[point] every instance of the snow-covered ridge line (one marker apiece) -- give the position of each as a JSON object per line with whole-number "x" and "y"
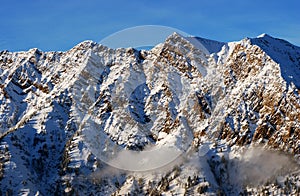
{"x": 64, "y": 116}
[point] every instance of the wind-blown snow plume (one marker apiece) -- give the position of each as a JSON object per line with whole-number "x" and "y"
{"x": 258, "y": 165}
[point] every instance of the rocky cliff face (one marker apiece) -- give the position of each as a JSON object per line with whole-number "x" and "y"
{"x": 203, "y": 119}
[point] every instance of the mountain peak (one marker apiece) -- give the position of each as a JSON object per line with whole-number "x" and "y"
{"x": 86, "y": 44}
{"x": 174, "y": 37}
{"x": 176, "y": 34}
{"x": 283, "y": 53}
{"x": 264, "y": 35}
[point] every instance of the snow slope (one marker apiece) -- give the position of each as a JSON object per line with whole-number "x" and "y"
{"x": 283, "y": 53}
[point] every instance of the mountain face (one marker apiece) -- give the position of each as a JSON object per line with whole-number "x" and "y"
{"x": 190, "y": 116}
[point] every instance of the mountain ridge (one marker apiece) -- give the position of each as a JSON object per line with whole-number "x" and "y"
{"x": 64, "y": 113}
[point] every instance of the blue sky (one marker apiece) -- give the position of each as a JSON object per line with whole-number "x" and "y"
{"x": 59, "y": 25}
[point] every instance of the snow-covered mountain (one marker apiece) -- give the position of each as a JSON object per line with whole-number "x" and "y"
{"x": 190, "y": 116}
